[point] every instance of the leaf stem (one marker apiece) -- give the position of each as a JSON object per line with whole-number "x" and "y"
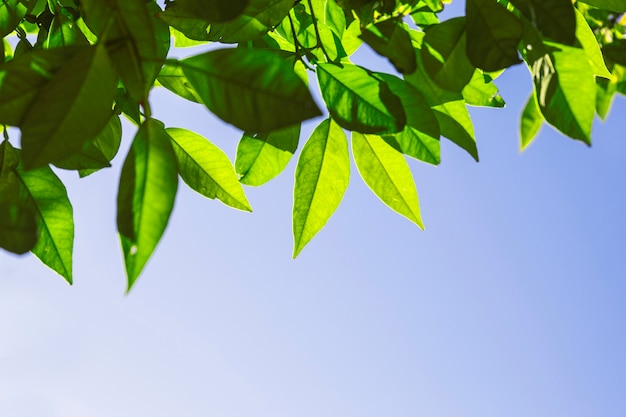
{"x": 317, "y": 33}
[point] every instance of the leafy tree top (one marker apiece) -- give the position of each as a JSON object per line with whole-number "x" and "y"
{"x": 77, "y": 66}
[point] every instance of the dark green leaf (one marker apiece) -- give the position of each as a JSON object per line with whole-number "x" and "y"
{"x": 261, "y": 157}
{"x": 444, "y": 55}
{"x": 145, "y": 200}
{"x": 207, "y": 169}
{"x": 612, "y": 5}
{"x": 173, "y": 78}
{"x": 555, "y": 19}
{"x": 213, "y": 11}
{"x": 493, "y": 34}
{"x": 98, "y": 153}
{"x": 358, "y": 101}
{"x": 70, "y": 109}
{"x": 11, "y": 13}
{"x": 322, "y": 177}
{"x": 387, "y": 174}
{"x": 390, "y": 39}
{"x": 254, "y": 90}
{"x": 420, "y": 136}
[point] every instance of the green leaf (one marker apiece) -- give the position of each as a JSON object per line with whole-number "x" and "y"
{"x": 322, "y": 177}
{"x": 18, "y": 223}
{"x": 493, "y": 34}
{"x": 555, "y": 19}
{"x": 11, "y": 13}
{"x": 206, "y": 168}
{"x": 98, "y": 153}
{"x": 565, "y": 87}
{"x": 481, "y": 91}
{"x": 214, "y": 11}
{"x": 138, "y": 42}
{"x": 192, "y": 27}
{"x": 616, "y": 51}
{"x": 22, "y": 78}
{"x": 173, "y": 78}
{"x": 63, "y": 31}
{"x": 588, "y": 41}
{"x": 70, "y": 109}
{"x": 531, "y": 122}
{"x": 47, "y": 197}
{"x": 390, "y": 39}
{"x": 387, "y": 174}
{"x": 444, "y": 56}
{"x": 612, "y": 5}
{"x": 261, "y": 157}
{"x": 254, "y": 90}
{"x": 420, "y": 136}
{"x": 145, "y": 200}
{"x": 259, "y": 17}
{"x": 358, "y": 101}
{"x": 449, "y": 108}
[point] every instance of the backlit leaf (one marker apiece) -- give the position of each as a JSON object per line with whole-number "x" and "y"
{"x": 146, "y": 195}
{"x": 322, "y": 176}
{"x": 254, "y": 90}
{"x": 612, "y": 5}
{"x": 387, "y": 174}
{"x": 206, "y": 169}
{"x": 358, "y": 101}
{"x": 531, "y": 122}
{"x": 588, "y": 41}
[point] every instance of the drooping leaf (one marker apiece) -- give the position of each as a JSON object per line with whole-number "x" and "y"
{"x": 322, "y": 177}
{"x": 72, "y": 108}
{"x": 206, "y": 168}
{"x": 493, "y": 34}
{"x": 98, "y": 153}
{"x": 146, "y": 195}
{"x": 588, "y": 41}
{"x": 387, "y": 174}
{"x": 444, "y": 55}
{"x": 531, "y": 122}
{"x": 555, "y": 19}
{"x": 254, "y": 90}
{"x": 565, "y": 87}
{"x": 261, "y": 157}
{"x": 358, "y": 101}
{"x": 390, "y": 39}
{"x": 46, "y": 196}
{"x": 420, "y": 137}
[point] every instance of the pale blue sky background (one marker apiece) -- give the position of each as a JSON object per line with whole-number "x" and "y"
{"x": 511, "y": 303}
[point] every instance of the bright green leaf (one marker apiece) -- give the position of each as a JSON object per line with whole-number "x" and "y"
{"x": 261, "y": 157}
{"x": 146, "y": 195}
{"x": 173, "y": 78}
{"x": 588, "y": 41}
{"x": 387, "y": 174}
{"x": 481, "y": 91}
{"x": 322, "y": 177}
{"x": 612, "y": 5}
{"x": 206, "y": 168}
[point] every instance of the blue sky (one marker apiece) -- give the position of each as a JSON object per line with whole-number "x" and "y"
{"x": 512, "y": 302}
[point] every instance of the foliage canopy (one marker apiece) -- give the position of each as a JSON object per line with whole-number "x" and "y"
{"x": 74, "y": 67}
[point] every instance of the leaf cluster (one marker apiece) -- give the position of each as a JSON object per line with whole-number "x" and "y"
{"x": 72, "y": 68}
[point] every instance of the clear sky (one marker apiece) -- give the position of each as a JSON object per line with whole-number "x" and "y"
{"x": 511, "y": 303}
